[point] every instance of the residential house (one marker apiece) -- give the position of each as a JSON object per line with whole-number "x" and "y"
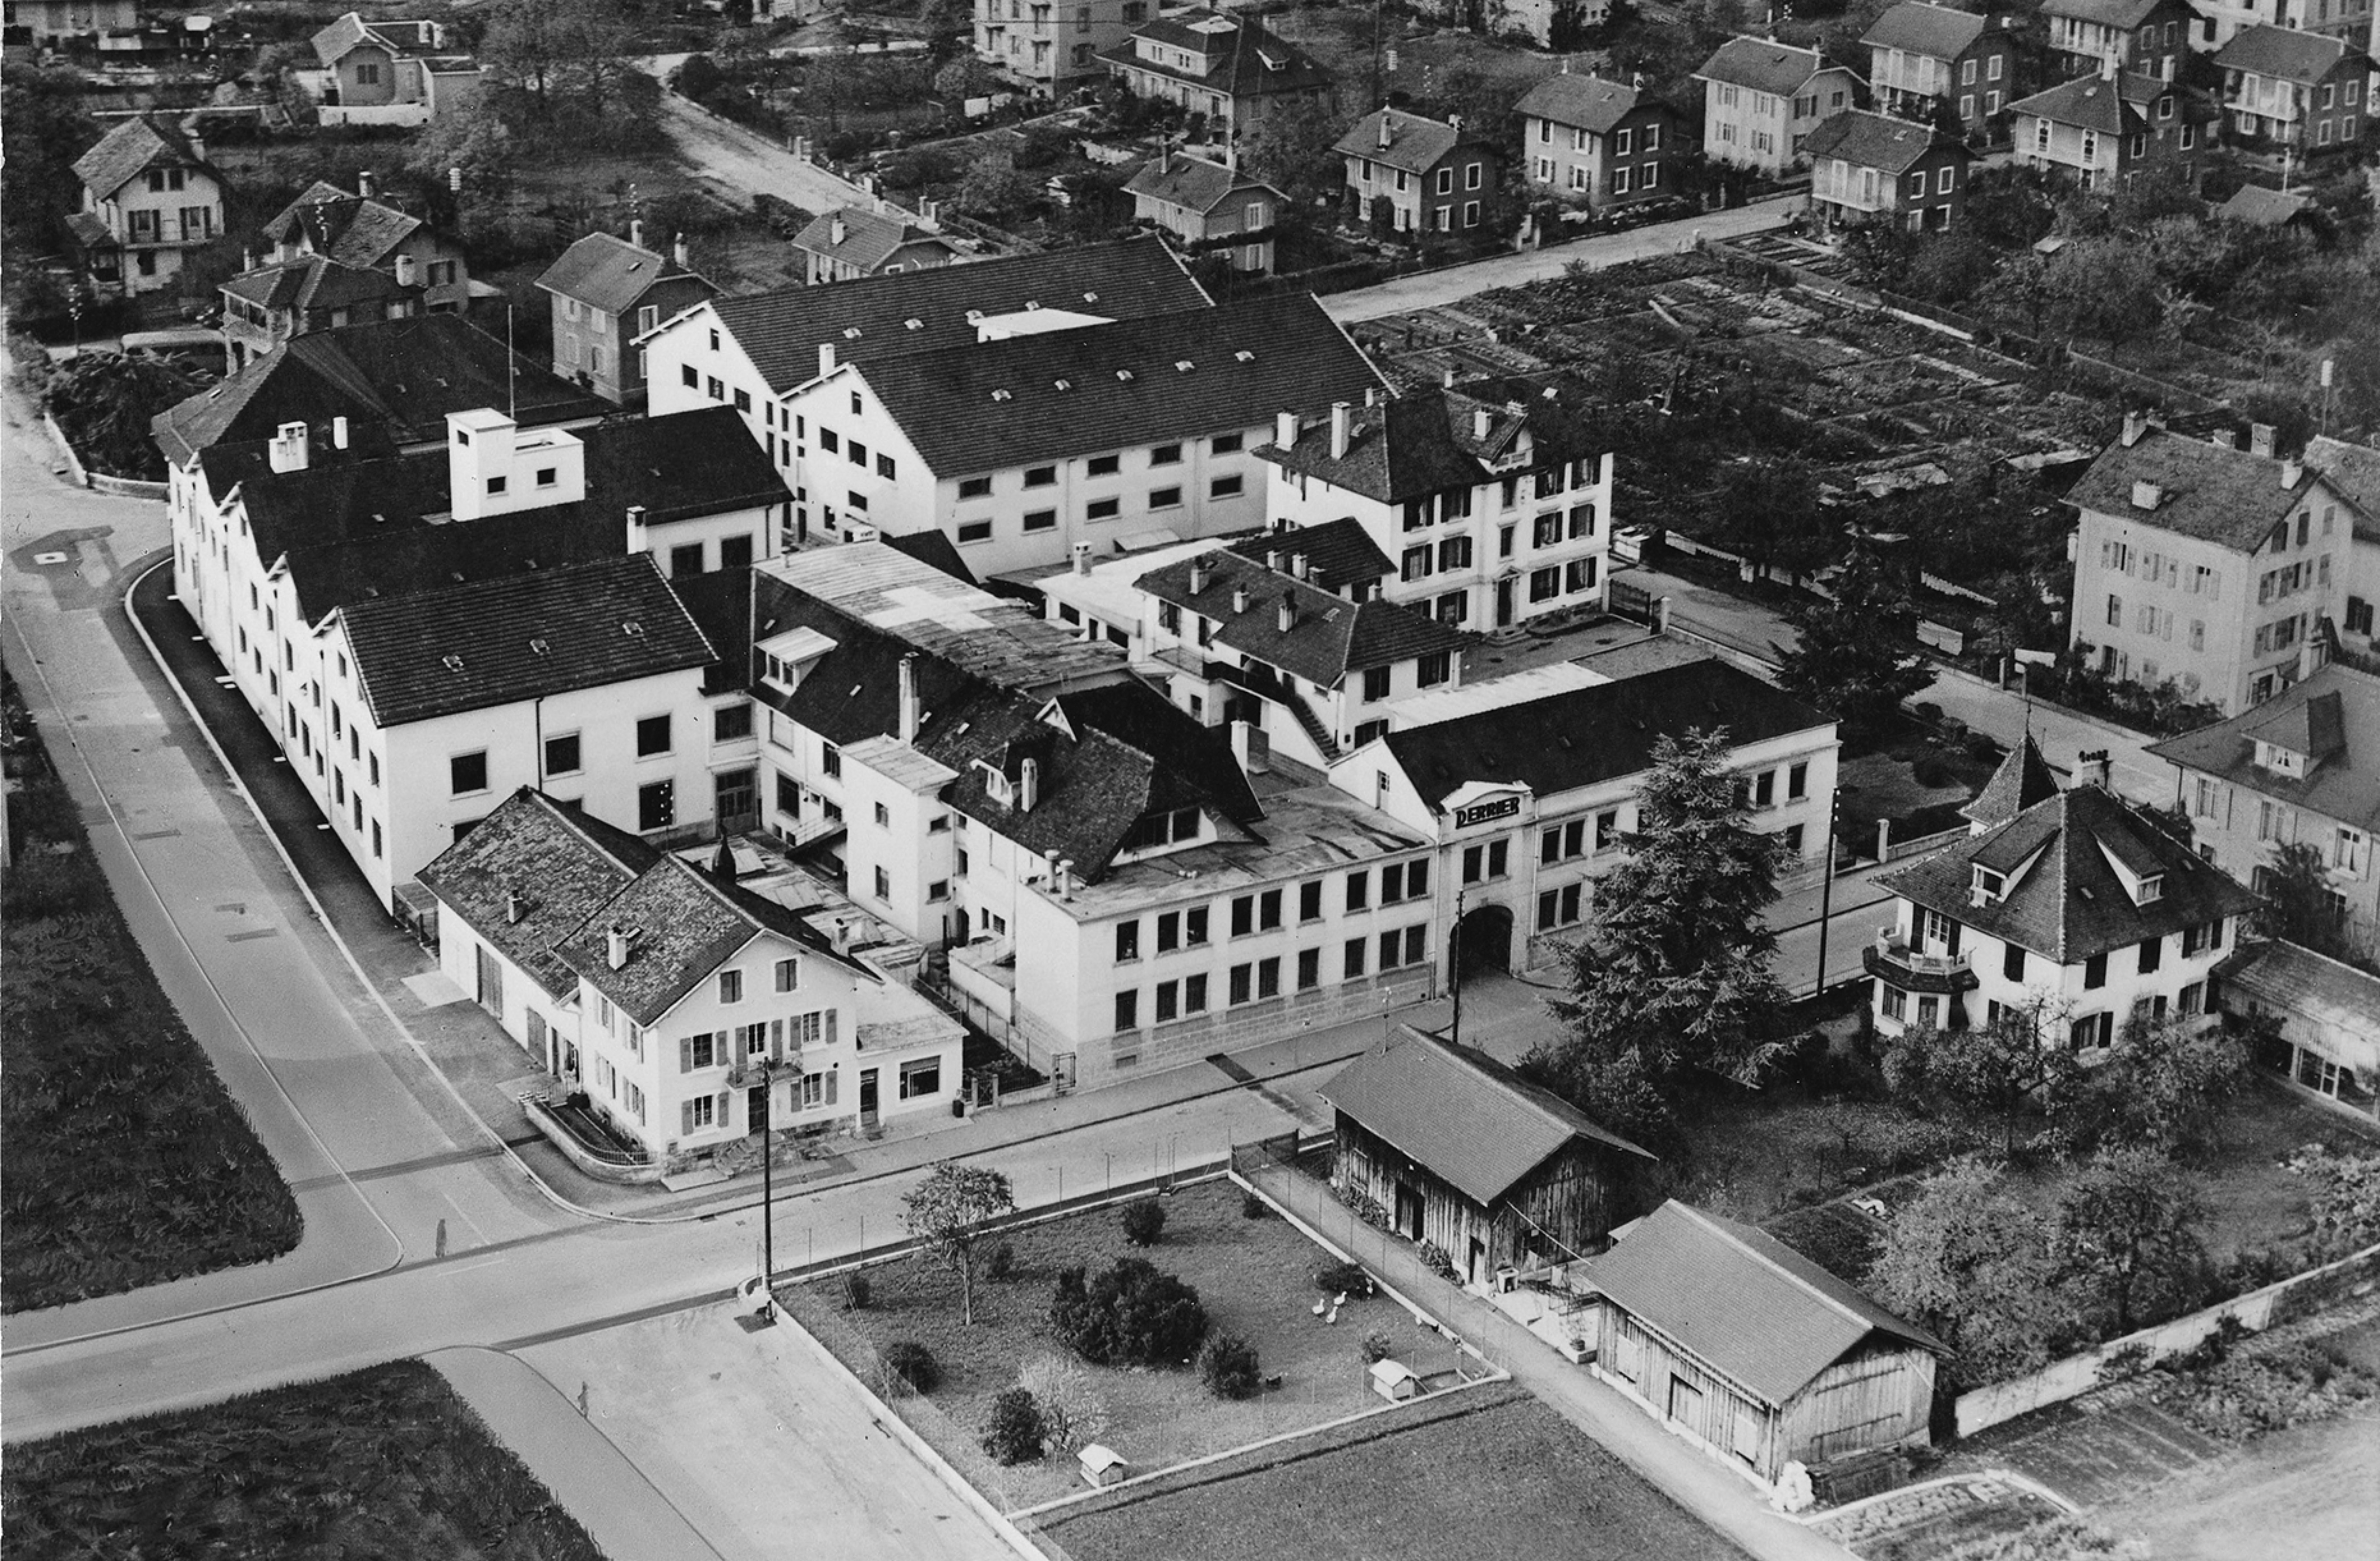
{"x": 2142, "y": 37}
{"x": 1922, "y": 55}
{"x": 1600, "y": 142}
{"x": 1752, "y": 1352}
{"x": 2353, "y": 471}
{"x": 1494, "y": 496}
{"x": 271, "y": 304}
{"x": 1406, "y": 174}
{"x": 1457, "y": 1151}
{"x": 2350, "y": 21}
{"x": 755, "y": 351}
{"x": 2105, "y": 130}
{"x": 150, "y": 200}
{"x": 2298, "y": 91}
{"x": 1761, "y": 100}
{"x": 1057, "y": 428}
{"x": 606, "y": 292}
{"x": 2322, "y": 1044}
{"x": 2076, "y": 913}
{"x": 1868, "y": 167}
{"x": 50, "y": 23}
{"x": 2288, "y": 773}
{"x": 853, "y": 241}
{"x": 1210, "y": 207}
{"x": 357, "y": 228}
{"x": 2212, "y": 567}
{"x": 391, "y": 72}
{"x": 1527, "y": 804}
{"x": 1228, "y": 67}
{"x": 1051, "y": 50}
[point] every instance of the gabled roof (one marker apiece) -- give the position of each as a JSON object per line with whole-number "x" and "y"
{"x": 2231, "y": 498}
{"x": 2122, "y": 14}
{"x": 2071, "y": 905}
{"x": 851, "y": 691}
{"x": 132, "y": 148}
{"x": 1588, "y": 736}
{"x": 315, "y": 283}
{"x": 348, "y": 228}
{"x": 1918, "y": 28}
{"x": 1430, "y": 441}
{"x": 2296, "y": 980}
{"x": 1329, "y": 636}
{"x": 1415, "y": 143}
{"x": 611, "y": 274}
{"x": 1186, "y": 748}
{"x": 1867, "y": 139}
{"x": 1459, "y": 1115}
{"x": 1764, "y": 64}
{"x": 1181, "y": 179}
{"x": 2344, "y": 786}
{"x": 2092, "y": 102}
{"x": 526, "y": 875}
{"x": 1587, "y": 102}
{"x": 2354, "y": 471}
{"x": 2283, "y": 54}
{"x": 870, "y": 318}
{"x": 869, "y": 240}
{"x": 1248, "y": 60}
{"x": 1340, "y": 556}
{"x": 334, "y": 42}
{"x": 2024, "y": 778}
{"x": 493, "y": 642}
{"x": 1743, "y": 1301}
{"x": 1043, "y": 397}
{"x": 2263, "y": 208}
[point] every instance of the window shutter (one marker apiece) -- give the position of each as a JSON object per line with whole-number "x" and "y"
{"x": 721, "y": 1120}
{"x": 685, "y": 1119}
{"x": 1950, "y": 939}
{"x": 685, "y": 1053}
{"x": 832, "y": 1075}
{"x": 776, "y": 1040}
{"x": 830, "y": 1026}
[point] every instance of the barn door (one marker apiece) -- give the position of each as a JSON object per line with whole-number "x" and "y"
{"x": 1408, "y": 1212}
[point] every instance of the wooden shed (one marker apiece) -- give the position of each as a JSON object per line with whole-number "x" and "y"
{"x": 1460, "y": 1153}
{"x": 1726, "y": 1333}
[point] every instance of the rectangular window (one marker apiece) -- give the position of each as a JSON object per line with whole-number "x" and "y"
{"x": 2094, "y": 972}
{"x": 1127, "y": 1011}
{"x": 1164, "y": 498}
{"x": 1268, "y": 911}
{"x": 1359, "y": 888}
{"x": 1103, "y": 466}
{"x": 922, "y": 1078}
{"x": 1240, "y": 983}
{"x": 1309, "y": 901}
{"x": 1041, "y": 476}
{"x": 1103, "y": 509}
{"x": 1226, "y": 487}
{"x": 1165, "y": 454}
{"x": 1127, "y": 941}
{"x": 469, "y": 772}
{"x": 1194, "y": 927}
{"x": 1169, "y": 1001}
{"x": 1269, "y": 978}
{"x": 1041, "y": 520}
{"x": 975, "y": 530}
{"x": 789, "y": 975}
{"x": 974, "y": 487}
{"x": 652, "y": 736}
{"x": 1244, "y": 916}
{"x": 1193, "y": 994}
{"x": 731, "y": 986}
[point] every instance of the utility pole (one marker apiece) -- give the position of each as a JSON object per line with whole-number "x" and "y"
{"x": 1380, "y": 95}
{"x": 1454, "y": 964}
{"x": 1827, "y": 887}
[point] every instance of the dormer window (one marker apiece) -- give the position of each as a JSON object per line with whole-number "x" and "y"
{"x": 2152, "y": 889}
{"x": 2280, "y": 761}
{"x": 996, "y": 785}
{"x": 1990, "y": 885}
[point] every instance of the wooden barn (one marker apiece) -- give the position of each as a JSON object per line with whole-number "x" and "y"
{"x": 1730, "y": 1336}
{"x": 1460, "y": 1153}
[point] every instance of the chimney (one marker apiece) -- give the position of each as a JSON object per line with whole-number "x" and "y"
{"x": 834, "y": 231}
{"x": 909, "y": 714}
{"x": 247, "y": 259}
{"x": 1384, "y": 129}
{"x": 2093, "y": 768}
{"x": 616, "y": 942}
{"x": 407, "y": 271}
{"x": 1082, "y": 558}
{"x": 455, "y": 181}
{"x": 1447, "y": 380}
{"x": 636, "y": 232}
{"x": 2226, "y": 438}
{"x": 1479, "y": 424}
{"x": 1198, "y": 576}
{"x": 1285, "y": 430}
{"x": 1067, "y": 878}
{"x": 2147, "y": 495}
{"x": 1239, "y": 599}
{"x": 1371, "y": 395}
{"x": 678, "y": 251}
{"x": 287, "y": 451}
{"x": 1288, "y": 616}
{"x": 1028, "y": 785}
{"x": 1374, "y": 593}
{"x": 339, "y": 432}
{"x": 1272, "y": 559}
{"x": 2260, "y": 439}
{"x": 1165, "y": 158}
{"x": 1340, "y": 430}
{"x": 364, "y": 184}
{"x": 826, "y": 359}
{"x": 2135, "y": 424}
{"x": 2293, "y": 470}
{"x": 1249, "y": 747}
{"x": 515, "y": 907}
{"x": 1297, "y": 565}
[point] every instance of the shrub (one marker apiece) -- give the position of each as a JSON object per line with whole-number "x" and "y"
{"x": 912, "y": 1363}
{"x": 1932, "y": 772}
{"x": 1074, "y": 1414}
{"x": 1229, "y": 1367}
{"x": 1433, "y": 1257}
{"x": 1144, "y": 1222}
{"x": 1343, "y": 1279}
{"x": 1000, "y": 1263}
{"x": 1253, "y": 1207}
{"x": 1376, "y": 1348}
{"x": 1015, "y": 1432}
{"x": 856, "y": 1291}
{"x": 1132, "y": 1314}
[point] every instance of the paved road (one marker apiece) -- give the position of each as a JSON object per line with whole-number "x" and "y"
{"x": 749, "y": 163}
{"x": 1430, "y": 289}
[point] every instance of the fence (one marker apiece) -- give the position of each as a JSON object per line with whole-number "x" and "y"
{"x": 2257, "y": 1310}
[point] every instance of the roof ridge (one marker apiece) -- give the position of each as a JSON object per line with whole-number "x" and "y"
{"x": 1725, "y": 1230}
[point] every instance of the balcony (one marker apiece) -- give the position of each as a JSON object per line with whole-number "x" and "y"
{"x": 1891, "y": 959}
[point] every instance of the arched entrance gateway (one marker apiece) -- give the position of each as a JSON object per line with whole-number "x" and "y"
{"x": 1483, "y": 941}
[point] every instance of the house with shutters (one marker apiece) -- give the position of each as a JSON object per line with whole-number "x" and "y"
{"x": 2105, "y": 130}
{"x": 2100, "y": 37}
{"x": 2076, "y": 911}
{"x": 1761, "y": 100}
{"x": 391, "y": 72}
{"x": 1922, "y": 56}
{"x": 1225, "y": 65}
{"x": 1596, "y": 142}
{"x": 2299, "y": 91}
{"x": 2353, "y": 472}
{"x": 1210, "y": 207}
{"x": 1407, "y": 174}
{"x": 2350, "y": 21}
{"x": 854, "y": 241}
{"x": 150, "y": 200}
{"x": 357, "y": 228}
{"x": 1052, "y": 49}
{"x": 1868, "y": 168}
{"x": 606, "y": 292}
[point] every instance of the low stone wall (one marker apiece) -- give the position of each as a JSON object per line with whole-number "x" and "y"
{"x": 2283, "y": 1302}
{"x": 75, "y": 472}
{"x": 581, "y": 1157}
{"x": 126, "y": 487}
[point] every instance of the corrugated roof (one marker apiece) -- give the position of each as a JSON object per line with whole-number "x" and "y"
{"x": 611, "y": 274}
{"x": 2344, "y": 786}
{"x": 1044, "y": 396}
{"x": 1917, "y": 28}
{"x": 2283, "y": 54}
{"x": 2230, "y": 498}
{"x": 133, "y": 147}
{"x": 1459, "y": 1115}
{"x": 1763, "y": 65}
{"x": 1588, "y": 103}
{"x": 1328, "y": 637}
{"x": 1415, "y": 143}
{"x": 550, "y": 864}
{"x": 869, "y": 240}
{"x": 1739, "y": 1299}
{"x": 1867, "y": 139}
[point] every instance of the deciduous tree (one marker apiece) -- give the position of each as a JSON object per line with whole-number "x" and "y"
{"x": 1990, "y": 1072}
{"x": 1970, "y": 1263}
{"x": 2128, "y": 1238}
{"x": 2164, "y": 1085}
{"x": 947, "y": 1213}
{"x": 1857, "y": 656}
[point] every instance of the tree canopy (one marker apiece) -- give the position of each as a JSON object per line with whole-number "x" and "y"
{"x": 1969, "y": 1262}
{"x": 1857, "y": 656}
{"x": 947, "y": 1213}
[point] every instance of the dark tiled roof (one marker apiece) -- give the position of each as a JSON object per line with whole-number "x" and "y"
{"x": 1763, "y": 65}
{"x": 983, "y": 408}
{"x": 333, "y": 42}
{"x": 2345, "y": 785}
{"x": 719, "y": 602}
{"x": 1249, "y": 62}
{"x": 1329, "y": 637}
{"x": 1415, "y": 144}
{"x": 1459, "y": 1115}
{"x": 2124, "y": 16}
{"x": 1339, "y": 554}
{"x": 2092, "y": 102}
{"x": 1198, "y": 755}
{"x": 1917, "y": 28}
{"x": 2354, "y": 471}
{"x": 935, "y": 550}
{"x": 854, "y": 690}
{"x": 2022, "y": 779}
{"x": 1865, "y": 139}
{"x": 2282, "y": 53}
{"x": 1589, "y": 735}
{"x": 133, "y": 147}
{"x": 687, "y": 924}
{"x": 1429, "y": 442}
{"x": 405, "y": 373}
{"x": 497, "y": 642}
{"x": 2070, "y": 905}
{"x": 246, "y": 460}
{"x": 1589, "y": 102}
{"x": 781, "y": 332}
{"x": 2264, "y": 208}
{"x": 314, "y": 282}
{"x": 348, "y": 228}
{"x": 2295, "y": 980}
{"x": 1742, "y": 1300}
{"x": 1181, "y": 179}
{"x": 609, "y": 274}
{"x": 2230, "y": 498}
{"x": 558, "y": 862}
{"x": 869, "y": 240}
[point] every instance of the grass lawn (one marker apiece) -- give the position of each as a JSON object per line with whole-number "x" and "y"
{"x": 385, "y": 1462}
{"x": 123, "y": 1160}
{"x": 1501, "y": 1475}
{"x": 1254, "y": 1277}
